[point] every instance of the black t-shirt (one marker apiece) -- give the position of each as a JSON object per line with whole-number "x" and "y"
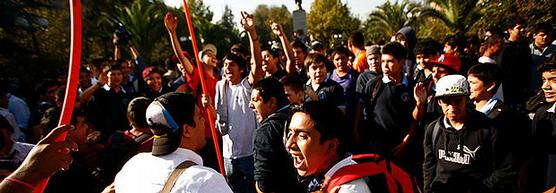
{"x": 388, "y": 120}
{"x": 328, "y": 91}
{"x": 279, "y": 74}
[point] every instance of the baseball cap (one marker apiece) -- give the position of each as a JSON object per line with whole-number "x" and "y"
{"x": 448, "y": 60}
{"x": 452, "y": 85}
{"x": 162, "y": 116}
{"x": 207, "y": 47}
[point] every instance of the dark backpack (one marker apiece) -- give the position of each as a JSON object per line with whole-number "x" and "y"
{"x": 381, "y": 175}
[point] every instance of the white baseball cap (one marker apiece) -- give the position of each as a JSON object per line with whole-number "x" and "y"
{"x": 452, "y": 85}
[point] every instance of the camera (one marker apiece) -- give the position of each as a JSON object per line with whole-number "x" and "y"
{"x": 123, "y": 35}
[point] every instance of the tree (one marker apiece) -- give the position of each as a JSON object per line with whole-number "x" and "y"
{"x": 227, "y": 19}
{"x": 144, "y": 21}
{"x": 388, "y": 18}
{"x": 329, "y": 17}
{"x": 263, "y": 15}
{"x": 457, "y": 15}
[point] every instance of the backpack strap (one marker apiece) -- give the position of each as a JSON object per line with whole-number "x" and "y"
{"x": 175, "y": 175}
{"x": 376, "y": 89}
{"x": 143, "y": 138}
{"x": 434, "y": 135}
{"x": 357, "y": 171}
{"x": 402, "y": 177}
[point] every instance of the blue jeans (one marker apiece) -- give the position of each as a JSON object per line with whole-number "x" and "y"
{"x": 240, "y": 174}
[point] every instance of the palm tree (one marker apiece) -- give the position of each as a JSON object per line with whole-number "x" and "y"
{"x": 388, "y": 18}
{"x": 457, "y": 15}
{"x": 144, "y": 21}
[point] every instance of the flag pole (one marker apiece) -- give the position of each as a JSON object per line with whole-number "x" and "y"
{"x": 203, "y": 86}
{"x": 73, "y": 75}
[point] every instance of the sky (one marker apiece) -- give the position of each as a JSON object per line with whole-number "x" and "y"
{"x": 359, "y": 8}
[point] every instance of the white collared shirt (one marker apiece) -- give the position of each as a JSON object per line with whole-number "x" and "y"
{"x": 147, "y": 173}
{"x": 489, "y": 105}
{"x": 552, "y": 109}
{"x": 387, "y": 80}
{"x": 107, "y": 88}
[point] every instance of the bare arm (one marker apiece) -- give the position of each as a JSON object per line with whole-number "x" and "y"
{"x": 171, "y": 23}
{"x": 279, "y": 31}
{"x": 249, "y": 24}
{"x": 133, "y": 50}
{"x": 117, "y": 50}
{"x": 88, "y": 93}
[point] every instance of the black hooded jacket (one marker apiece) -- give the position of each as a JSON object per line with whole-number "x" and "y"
{"x": 470, "y": 159}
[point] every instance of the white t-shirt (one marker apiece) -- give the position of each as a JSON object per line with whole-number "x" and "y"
{"x": 147, "y": 173}
{"x": 242, "y": 122}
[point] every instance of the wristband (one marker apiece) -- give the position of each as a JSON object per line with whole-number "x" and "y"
{"x": 20, "y": 183}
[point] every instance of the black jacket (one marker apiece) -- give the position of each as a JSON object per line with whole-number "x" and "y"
{"x": 274, "y": 171}
{"x": 480, "y": 164}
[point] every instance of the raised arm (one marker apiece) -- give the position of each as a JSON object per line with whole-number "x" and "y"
{"x": 249, "y": 25}
{"x": 171, "y": 23}
{"x": 279, "y": 31}
{"x": 88, "y": 93}
{"x": 117, "y": 50}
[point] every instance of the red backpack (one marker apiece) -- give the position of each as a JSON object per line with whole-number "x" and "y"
{"x": 381, "y": 175}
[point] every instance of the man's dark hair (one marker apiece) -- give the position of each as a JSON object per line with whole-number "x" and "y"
{"x": 292, "y": 81}
{"x": 237, "y": 59}
{"x": 488, "y": 73}
{"x": 4, "y": 124}
{"x": 427, "y": 47}
{"x": 119, "y": 62}
{"x": 395, "y": 49}
{"x": 545, "y": 28}
{"x": 42, "y": 87}
{"x": 84, "y": 70}
{"x": 314, "y": 58}
{"x": 492, "y": 40}
{"x": 340, "y": 50}
{"x": 514, "y": 22}
{"x": 327, "y": 119}
{"x": 270, "y": 87}
{"x": 357, "y": 39}
{"x": 549, "y": 65}
{"x": 272, "y": 52}
{"x": 112, "y": 68}
{"x": 136, "y": 111}
{"x": 240, "y": 50}
{"x": 97, "y": 62}
{"x": 299, "y": 44}
{"x": 77, "y": 113}
{"x": 457, "y": 40}
{"x": 181, "y": 106}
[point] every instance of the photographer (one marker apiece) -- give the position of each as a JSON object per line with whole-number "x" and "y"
{"x": 131, "y": 68}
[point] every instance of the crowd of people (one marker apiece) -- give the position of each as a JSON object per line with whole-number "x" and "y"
{"x": 464, "y": 114}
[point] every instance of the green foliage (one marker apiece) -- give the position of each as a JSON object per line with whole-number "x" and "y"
{"x": 145, "y": 21}
{"x": 227, "y": 19}
{"x": 263, "y": 15}
{"x": 329, "y": 17}
{"x": 457, "y": 15}
{"x": 388, "y": 18}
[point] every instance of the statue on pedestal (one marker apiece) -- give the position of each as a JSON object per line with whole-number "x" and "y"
{"x": 298, "y": 3}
